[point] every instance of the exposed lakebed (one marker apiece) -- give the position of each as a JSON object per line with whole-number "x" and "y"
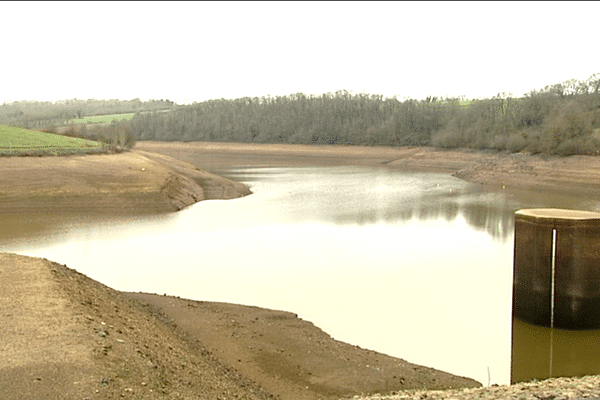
{"x": 416, "y": 265}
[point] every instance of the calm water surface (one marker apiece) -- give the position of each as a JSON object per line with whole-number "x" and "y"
{"x": 415, "y": 265}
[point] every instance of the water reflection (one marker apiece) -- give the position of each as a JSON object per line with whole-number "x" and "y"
{"x": 542, "y": 353}
{"x": 38, "y": 230}
{"x": 493, "y": 219}
{"x": 487, "y": 216}
{"x": 340, "y": 195}
{"x": 370, "y": 195}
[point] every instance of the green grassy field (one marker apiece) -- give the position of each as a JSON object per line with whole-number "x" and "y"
{"x": 19, "y": 141}
{"x": 102, "y": 119}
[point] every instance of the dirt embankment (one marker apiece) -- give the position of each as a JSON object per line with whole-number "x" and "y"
{"x": 66, "y": 336}
{"x": 291, "y": 357}
{"x": 132, "y": 182}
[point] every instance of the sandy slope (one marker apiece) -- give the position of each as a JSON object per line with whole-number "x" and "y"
{"x": 291, "y": 357}
{"x": 126, "y": 183}
{"x": 65, "y": 336}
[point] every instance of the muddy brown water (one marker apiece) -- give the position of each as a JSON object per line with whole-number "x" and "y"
{"x": 412, "y": 264}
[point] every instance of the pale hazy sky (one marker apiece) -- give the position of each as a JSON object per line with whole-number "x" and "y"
{"x": 194, "y": 51}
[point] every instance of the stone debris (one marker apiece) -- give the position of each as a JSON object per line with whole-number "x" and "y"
{"x": 587, "y": 388}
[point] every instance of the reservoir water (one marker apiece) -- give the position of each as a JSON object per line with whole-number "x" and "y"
{"x": 412, "y": 264}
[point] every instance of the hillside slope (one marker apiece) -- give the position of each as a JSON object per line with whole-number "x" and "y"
{"x": 20, "y": 141}
{"x": 67, "y": 336}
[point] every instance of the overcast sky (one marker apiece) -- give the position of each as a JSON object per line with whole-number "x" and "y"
{"x": 195, "y": 51}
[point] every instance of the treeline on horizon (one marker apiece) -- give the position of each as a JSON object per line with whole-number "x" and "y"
{"x": 562, "y": 118}
{"x": 55, "y": 117}
{"x": 33, "y": 114}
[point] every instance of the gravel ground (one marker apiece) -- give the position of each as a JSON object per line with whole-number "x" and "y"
{"x": 551, "y": 389}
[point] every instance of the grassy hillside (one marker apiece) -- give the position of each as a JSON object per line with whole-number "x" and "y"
{"x": 104, "y": 119}
{"x": 20, "y": 141}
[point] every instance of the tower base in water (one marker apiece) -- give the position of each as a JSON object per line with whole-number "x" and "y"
{"x": 556, "y": 281}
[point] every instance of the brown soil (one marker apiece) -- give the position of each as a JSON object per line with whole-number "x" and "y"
{"x": 132, "y": 182}
{"x": 291, "y": 357}
{"x": 65, "y": 336}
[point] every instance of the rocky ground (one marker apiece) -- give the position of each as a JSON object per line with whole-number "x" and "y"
{"x": 551, "y": 389}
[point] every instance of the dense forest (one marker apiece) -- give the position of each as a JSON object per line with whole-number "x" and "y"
{"x": 562, "y": 118}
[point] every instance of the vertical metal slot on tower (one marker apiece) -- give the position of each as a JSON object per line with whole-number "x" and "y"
{"x": 553, "y": 278}
{"x": 552, "y": 297}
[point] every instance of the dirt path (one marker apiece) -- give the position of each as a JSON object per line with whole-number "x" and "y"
{"x": 43, "y": 349}
{"x": 65, "y": 336}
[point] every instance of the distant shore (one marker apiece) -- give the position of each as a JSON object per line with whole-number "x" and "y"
{"x": 572, "y": 175}
{"x": 160, "y": 177}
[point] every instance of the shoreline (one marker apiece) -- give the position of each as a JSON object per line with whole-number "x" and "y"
{"x": 162, "y": 177}
{"x": 128, "y": 183}
{"x": 572, "y": 175}
{"x": 68, "y": 336}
